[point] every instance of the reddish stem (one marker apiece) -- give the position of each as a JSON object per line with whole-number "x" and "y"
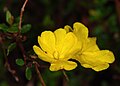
{"x": 21, "y": 15}
{"x": 39, "y": 74}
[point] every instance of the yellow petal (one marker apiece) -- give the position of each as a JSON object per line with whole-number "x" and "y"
{"x": 68, "y": 44}
{"x": 42, "y": 55}
{"x": 98, "y": 67}
{"x": 67, "y": 65}
{"x": 80, "y": 31}
{"x": 47, "y": 41}
{"x": 68, "y": 28}
{"x": 90, "y": 45}
{"x": 60, "y": 36}
{"x": 96, "y": 60}
{"x": 101, "y": 67}
{"x": 105, "y": 56}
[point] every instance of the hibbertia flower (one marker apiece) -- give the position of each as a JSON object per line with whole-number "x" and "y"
{"x": 57, "y": 48}
{"x": 90, "y": 56}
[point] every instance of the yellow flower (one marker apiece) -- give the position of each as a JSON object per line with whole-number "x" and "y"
{"x": 57, "y": 48}
{"x": 90, "y": 56}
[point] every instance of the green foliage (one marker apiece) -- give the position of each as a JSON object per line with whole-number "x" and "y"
{"x": 13, "y": 28}
{"x": 100, "y": 2}
{"x": 26, "y": 28}
{"x": 10, "y": 48}
{"x": 28, "y": 73}
{"x": 3, "y": 27}
{"x": 53, "y": 76}
{"x": 112, "y": 21}
{"x": 48, "y": 21}
{"x": 20, "y": 62}
{"x": 4, "y": 83}
{"x": 9, "y": 18}
{"x": 98, "y": 30}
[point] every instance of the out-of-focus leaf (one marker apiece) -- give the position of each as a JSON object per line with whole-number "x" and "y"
{"x": 20, "y": 62}
{"x": 102, "y": 41}
{"x": 98, "y": 30}
{"x": 70, "y": 6}
{"x": 48, "y": 21}
{"x": 13, "y": 28}
{"x": 4, "y": 83}
{"x": 46, "y": 2}
{"x": 52, "y": 76}
{"x": 28, "y": 73}
{"x": 95, "y": 15}
{"x": 112, "y": 21}
{"x": 25, "y": 28}
{"x": 10, "y": 48}
{"x": 17, "y": 19}
{"x": 9, "y": 18}
{"x": 3, "y": 27}
{"x": 101, "y": 2}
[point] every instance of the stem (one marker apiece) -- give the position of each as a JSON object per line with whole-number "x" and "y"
{"x": 7, "y": 65}
{"x": 22, "y": 50}
{"x": 3, "y": 48}
{"x": 18, "y": 40}
{"x": 65, "y": 75}
{"x": 39, "y": 74}
{"x": 21, "y": 15}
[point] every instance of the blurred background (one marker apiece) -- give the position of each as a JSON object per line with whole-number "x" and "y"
{"x": 102, "y": 17}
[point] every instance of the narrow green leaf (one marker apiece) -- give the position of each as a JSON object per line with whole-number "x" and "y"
{"x": 25, "y": 28}
{"x": 10, "y": 48}
{"x": 20, "y": 62}
{"x": 28, "y": 73}
{"x": 9, "y": 17}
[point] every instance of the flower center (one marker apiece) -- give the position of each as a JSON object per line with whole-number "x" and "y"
{"x": 56, "y": 55}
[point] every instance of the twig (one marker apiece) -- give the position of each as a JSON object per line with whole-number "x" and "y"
{"x": 13, "y": 72}
{"x": 39, "y": 74}
{"x": 65, "y": 75}
{"x": 18, "y": 39}
{"x": 19, "y": 42}
{"x": 21, "y": 15}
{"x": 7, "y": 65}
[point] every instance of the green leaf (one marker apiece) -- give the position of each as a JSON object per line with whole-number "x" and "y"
{"x": 3, "y": 27}
{"x": 28, "y": 73}
{"x": 98, "y": 30}
{"x": 13, "y": 28}
{"x": 10, "y": 48}
{"x": 4, "y": 83}
{"x": 9, "y": 18}
{"x": 48, "y": 21}
{"x": 20, "y": 62}
{"x": 25, "y": 28}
